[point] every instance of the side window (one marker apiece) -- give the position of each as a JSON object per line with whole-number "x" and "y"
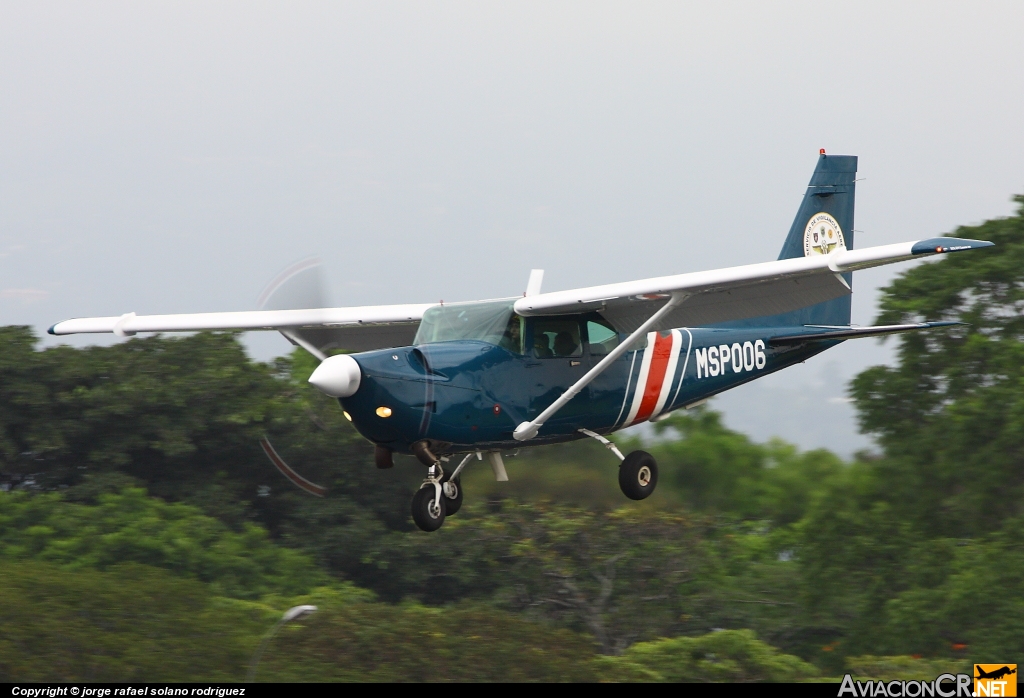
{"x": 512, "y": 339}
{"x": 556, "y": 338}
{"x": 601, "y": 337}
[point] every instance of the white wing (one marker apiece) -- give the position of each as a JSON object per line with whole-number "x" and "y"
{"x": 714, "y": 296}
{"x": 353, "y": 329}
{"x": 734, "y": 293}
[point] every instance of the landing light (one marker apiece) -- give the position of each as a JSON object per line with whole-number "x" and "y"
{"x": 383, "y": 412}
{"x": 347, "y": 415}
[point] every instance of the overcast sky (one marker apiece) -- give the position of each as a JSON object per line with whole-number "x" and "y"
{"x": 173, "y": 157}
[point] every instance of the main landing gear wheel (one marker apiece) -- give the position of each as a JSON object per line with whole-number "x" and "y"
{"x": 427, "y": 514}
{"x": 451, "y": 490}
{"x": 638, "y": 475}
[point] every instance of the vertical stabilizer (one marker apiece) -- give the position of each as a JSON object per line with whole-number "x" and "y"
{"x": 831, "y": 193}
{"x": 823, "y": 223}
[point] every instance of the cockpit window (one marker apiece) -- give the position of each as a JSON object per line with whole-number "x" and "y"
{"x": 513, "y": 337}
{"x": 601, "y": 337}
{"x": 491, "y": 321}
{"x": 556, "y": 337}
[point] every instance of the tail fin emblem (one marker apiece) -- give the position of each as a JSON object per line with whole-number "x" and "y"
{"x": 822, "y": 235}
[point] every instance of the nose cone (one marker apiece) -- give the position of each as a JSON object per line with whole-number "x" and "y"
{"x": 337, "y": 376}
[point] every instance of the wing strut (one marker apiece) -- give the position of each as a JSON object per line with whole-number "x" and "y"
{"x": 298, "y": 341}
{"x": 528, "y": 430}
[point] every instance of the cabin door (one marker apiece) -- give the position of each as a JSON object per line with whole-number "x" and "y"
{"x": 554, "y": 361}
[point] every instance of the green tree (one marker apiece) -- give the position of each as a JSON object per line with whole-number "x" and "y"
{"x": 734, "y": 656}
{"x": 411, "y": 642}
{"x": 976, "y": 609}
{"x": 623, "y": 575}
{"x": 710, "y": 466}
{"x": 902, "y": 553}
{"x": 950, "y": 415}
{"x": 713, "y": 468}
{"x": 903, "y": 668}
{"x": 131, "y": 527}
{"x": 130, "y": 623}
{"x": 170, "y": 412}
{"x": 616, "y": 575}
{"x": 183, "y": 417}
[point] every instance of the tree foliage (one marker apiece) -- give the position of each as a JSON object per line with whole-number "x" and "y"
{"x": 911, "y": 551}
{"x": 732, "y": 656}
{"x": 411, "y": 642}
{"x": 131, "y": 527}
{"x": 950, "y": 415}
{"x": 128, "y": 623}
{"x": 713, "y": 468}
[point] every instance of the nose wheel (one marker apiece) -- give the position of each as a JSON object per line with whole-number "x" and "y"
{"x": 439, "y": 496}
{"x": 428, "y": 510}
{"x": 638, "y": 475}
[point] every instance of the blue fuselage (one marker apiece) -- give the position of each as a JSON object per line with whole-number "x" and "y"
{"x": 466, "y": 394}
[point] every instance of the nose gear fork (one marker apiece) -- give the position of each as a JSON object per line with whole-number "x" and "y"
{"x": 434, "y": 475}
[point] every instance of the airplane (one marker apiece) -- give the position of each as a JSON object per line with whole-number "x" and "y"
{"x": 995, "y": 674}
{"x": 479, "y": 378}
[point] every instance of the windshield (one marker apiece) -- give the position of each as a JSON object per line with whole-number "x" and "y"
{"x": 486, "y": 322}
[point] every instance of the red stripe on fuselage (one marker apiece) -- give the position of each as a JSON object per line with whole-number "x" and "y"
{"x": 655, "y": 376}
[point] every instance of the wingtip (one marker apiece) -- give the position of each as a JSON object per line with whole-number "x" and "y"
{"x": 947, "y": 245}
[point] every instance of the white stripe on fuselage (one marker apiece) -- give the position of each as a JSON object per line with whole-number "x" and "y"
{"x": 641, "y": 381}
{"x": 686, "y": 362}
{"x": 629, "y": 379}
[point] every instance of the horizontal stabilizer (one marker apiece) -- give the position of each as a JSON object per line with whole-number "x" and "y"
{"x": 832, "y": 334}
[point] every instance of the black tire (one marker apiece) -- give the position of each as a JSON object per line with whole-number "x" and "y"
{"x": 427, "y": 518}
{"x": 452, "y": 504}
{"x": 638, "y": 475}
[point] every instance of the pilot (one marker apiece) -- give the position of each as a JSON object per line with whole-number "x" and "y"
{"x": 512, "y": 339}
{"x": 540, "y": 346}
{"x": 565, "y": 345}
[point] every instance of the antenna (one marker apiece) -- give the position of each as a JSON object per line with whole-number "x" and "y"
{"x": 533, "y": 285}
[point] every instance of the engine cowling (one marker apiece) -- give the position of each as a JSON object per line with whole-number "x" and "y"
{"x": 337, "y": 376}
